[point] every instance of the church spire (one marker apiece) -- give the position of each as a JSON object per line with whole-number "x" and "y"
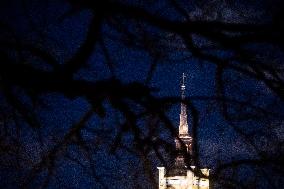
{"x": 184, "y": 139}
{"x": 183, "y": 126}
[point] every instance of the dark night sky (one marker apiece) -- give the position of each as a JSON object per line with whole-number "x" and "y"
{"x": 45, "y": 24}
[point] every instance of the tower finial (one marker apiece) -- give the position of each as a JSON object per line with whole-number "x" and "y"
{"x": 183, "y": 79}
{"x": 183, "y": 86}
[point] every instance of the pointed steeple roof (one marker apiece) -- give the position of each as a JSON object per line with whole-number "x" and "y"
{"x": 183, "y": 126}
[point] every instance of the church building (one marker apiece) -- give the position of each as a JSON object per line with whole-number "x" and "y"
{"x": 179, "y": 175}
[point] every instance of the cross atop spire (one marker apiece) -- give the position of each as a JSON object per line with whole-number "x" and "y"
{"x": 183, "y": 86}
{"x": 183, "y": 79}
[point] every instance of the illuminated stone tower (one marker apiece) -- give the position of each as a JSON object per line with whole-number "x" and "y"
{"x": 179, "y": 176}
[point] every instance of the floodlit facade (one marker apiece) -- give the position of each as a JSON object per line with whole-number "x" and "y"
{"x": 179, "y": 176}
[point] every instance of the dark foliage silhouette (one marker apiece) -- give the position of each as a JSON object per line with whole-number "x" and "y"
{"x": 44, "y": 66}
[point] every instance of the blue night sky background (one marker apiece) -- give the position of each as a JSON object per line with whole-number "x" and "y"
{"x": 60, "y": 28}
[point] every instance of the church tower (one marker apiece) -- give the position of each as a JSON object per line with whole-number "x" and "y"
{"x": 179, "y": 175}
